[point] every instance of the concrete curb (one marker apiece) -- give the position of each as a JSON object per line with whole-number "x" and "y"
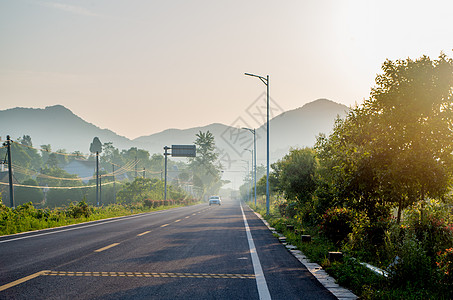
{"x": 327, "y": 281}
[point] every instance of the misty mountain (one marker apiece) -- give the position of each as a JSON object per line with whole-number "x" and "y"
{"x": 59, "y": 127}
{"x": 299, "y": 127}
{"x": 295, "y": 128}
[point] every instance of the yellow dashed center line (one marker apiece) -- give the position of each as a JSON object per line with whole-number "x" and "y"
{"x": 146, "y": 274}
{"x": 164, "y": 225}
{"x": 178, "y": 221}
{"x": 143, "y": 233}
{"x": 107, "y": 247}
{"x": 125, "y": 274}
{"x": 187, "y": 217}
{"x": 22, "y": 280}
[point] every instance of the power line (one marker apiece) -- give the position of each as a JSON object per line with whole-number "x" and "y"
{"x": 58, "y": 187}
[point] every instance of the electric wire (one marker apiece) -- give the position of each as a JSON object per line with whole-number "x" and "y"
{"x": 59, "y": 187}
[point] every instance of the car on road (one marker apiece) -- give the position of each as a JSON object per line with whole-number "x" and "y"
{"x": 215, "y": 200}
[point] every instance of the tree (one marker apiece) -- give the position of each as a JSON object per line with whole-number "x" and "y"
{"x": 26, "y": 194}
{"x": 396, "y": 148}
{"x": 206, "y": 167}
{"x": 295, "y": 174}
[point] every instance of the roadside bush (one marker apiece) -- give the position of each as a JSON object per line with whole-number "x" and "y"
{"x": 445, "y": 265}
{"x": 82, "y": 209}
{"x": 336, "y": 224}
{"x": 430, "y": 222}
{"x": 367, "y": 239}
{"x": 281, "y": 206}
{"x": 412, "y": 265}
{"x": 353, "y": 275}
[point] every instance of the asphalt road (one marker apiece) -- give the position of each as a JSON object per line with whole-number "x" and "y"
{"x": 197, "y": 252}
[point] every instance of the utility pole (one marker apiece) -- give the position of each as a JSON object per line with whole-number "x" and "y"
{"x": 144, "y": 174}
{"x": 165, "y": 184}
{"x": 114, "y": 189}
{"x": 97, "y": 178}
{"x": 136, "y": 167}
{"x": 10, "y": 171}
{"x": 100, "y": 189}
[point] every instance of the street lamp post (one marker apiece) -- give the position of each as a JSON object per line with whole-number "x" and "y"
{"x": 265, "y": 80}
{"x": 253, "y": 131}
{"x": 249, "y": 188}
{"x": 251, "y": 151}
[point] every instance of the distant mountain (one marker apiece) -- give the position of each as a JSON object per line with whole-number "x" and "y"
{"x": 59, "y": 127}
{"x": 299, "y": 127}
{"x": 295, "y": 128}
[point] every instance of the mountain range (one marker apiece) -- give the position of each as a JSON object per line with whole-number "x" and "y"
{"x": 62, "y": 129}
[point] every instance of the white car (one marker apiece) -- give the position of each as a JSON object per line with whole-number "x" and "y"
{"x": 215, "y": 200}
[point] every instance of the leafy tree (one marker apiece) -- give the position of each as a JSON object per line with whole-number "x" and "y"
{"x": 45, "y": 152}
{"x": 55, "y": 177}
{"x": 295, "y": 174}
{"x": 52, "y": 161}
{"x": 139, "y": 155}
{"x": 145, "y": 188}
{"x": 396, "y": 148}
{"x": 206, "y": 167}
{"x": 24, "y": 195}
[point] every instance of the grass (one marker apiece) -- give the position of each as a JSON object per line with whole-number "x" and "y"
{"x": 27, "y": 218}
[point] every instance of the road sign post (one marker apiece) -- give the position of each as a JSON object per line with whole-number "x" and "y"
{"x": 177, "y": 151}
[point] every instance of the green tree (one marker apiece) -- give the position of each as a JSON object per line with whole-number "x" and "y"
{"x": 395, "y": 148}
{"x": 55, "y": 177}
{"x": 295, "y": 174}
{"x": 24, "y": 195}
{"x": 205, "y": 166}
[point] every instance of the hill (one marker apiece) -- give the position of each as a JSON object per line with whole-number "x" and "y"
{"x": 59, "y": 127}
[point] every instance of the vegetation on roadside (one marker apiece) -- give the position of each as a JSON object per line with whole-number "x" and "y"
{"x": 378, "y": 188}
{"x": 26, "y": 217}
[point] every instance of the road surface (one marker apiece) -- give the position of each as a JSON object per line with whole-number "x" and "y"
{"x": 196, "y": 252}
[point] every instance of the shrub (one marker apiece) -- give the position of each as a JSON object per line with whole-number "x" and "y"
{"x": 79, "y": 210}
{"x": 445, "y": 265}
{"x": 367, "y": 238}
{"x": 412, "y": 265}
{"x": 336, "y": 224}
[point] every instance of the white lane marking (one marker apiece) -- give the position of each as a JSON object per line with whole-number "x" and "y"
{"x": 261, "y": 284}
{"x": 85, "y": 226}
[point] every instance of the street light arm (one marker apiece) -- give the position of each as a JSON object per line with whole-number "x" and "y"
{"x": 249, "y": 129}
{"x": 263, "y": 79}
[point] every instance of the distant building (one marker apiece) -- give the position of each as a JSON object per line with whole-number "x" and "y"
{"x": 83, "y": 168}
{"x": 86, "y": 169}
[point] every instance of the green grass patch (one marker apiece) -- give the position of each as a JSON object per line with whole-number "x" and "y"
{"x": 27, "y": 218}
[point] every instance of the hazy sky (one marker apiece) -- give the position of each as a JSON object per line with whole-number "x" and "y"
{"x": 139, "y": 66}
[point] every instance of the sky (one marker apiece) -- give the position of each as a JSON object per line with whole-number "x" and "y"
{"x": 138, "y": 67}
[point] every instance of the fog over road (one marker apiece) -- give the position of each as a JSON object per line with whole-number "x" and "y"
{"x": 197, "y": 252}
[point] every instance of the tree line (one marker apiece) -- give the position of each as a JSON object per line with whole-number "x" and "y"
{"x": 379, "y": 186}
{"x": 138, "y": 175}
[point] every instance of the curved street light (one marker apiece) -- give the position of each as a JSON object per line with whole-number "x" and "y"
{"x": 265, "y": 80}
